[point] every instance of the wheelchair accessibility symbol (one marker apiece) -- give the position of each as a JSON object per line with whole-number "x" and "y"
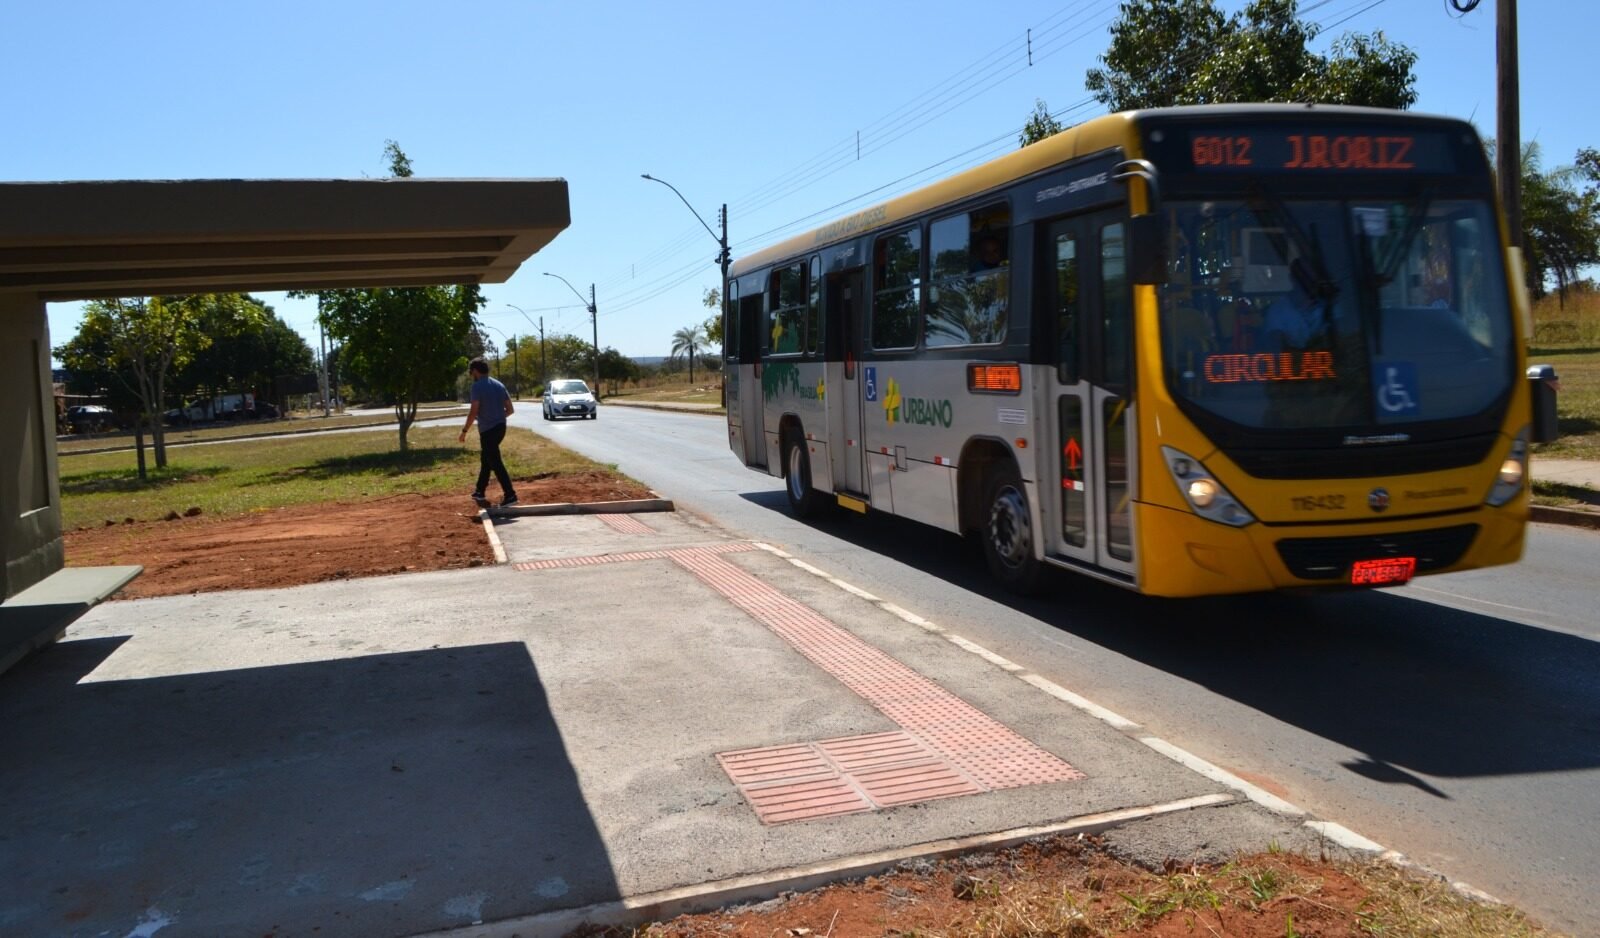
{"x": 871, "y": 382}
{"x": 1397, "y": 388}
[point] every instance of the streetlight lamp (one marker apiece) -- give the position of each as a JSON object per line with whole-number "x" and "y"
{"x": 540, "y": 325}
{"x": 594, "y": 321}
{"x": 723, "y": 259}
{"x": 722, "y": 241}
{"x": 511, "y": 343}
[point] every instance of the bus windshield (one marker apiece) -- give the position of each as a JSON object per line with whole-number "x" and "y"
{"x": 1321, "y": 314}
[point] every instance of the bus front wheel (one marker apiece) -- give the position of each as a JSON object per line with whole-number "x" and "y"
{"x": 1008, "y": 536}
{"x": 804, "y": 501}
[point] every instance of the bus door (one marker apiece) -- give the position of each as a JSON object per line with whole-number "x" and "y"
{"x": 1089, "y": 300}
{"x": 752, "y": 401}
{"x": 843, "y": 296}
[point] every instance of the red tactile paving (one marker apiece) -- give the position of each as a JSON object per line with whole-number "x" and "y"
{"x": 987, "y": 751}
{"x": 946, "y": 748}
{"x": 626, "y": 524}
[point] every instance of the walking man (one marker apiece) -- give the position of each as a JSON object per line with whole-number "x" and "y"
{"x": 491, "y": 405}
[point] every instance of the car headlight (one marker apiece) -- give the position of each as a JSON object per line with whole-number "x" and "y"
{"x": 1207, "y": 497}
{"x": 1513, "y": 472}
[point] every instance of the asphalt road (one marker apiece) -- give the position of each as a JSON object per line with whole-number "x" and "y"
{"x": 1456, "y": 720}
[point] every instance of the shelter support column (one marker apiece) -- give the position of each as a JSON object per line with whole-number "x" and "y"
{"x": 30, "y": 493}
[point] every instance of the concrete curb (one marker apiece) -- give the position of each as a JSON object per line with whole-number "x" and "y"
{"x": 583, "y": 508}
{"x": 1547, "y": 514}
{"x": 708, "y": 410}
{"x": 494, "y": 537}
{"x": 670, "y": 903}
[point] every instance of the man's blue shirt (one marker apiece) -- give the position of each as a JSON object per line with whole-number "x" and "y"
{"x": 491, "y": 397}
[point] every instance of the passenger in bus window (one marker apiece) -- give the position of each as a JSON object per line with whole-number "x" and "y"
{"x": 1295, "y": 318}
{"x": 991, "y": 252}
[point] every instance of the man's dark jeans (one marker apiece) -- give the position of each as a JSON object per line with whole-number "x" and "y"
{"x": 490, "y": 460}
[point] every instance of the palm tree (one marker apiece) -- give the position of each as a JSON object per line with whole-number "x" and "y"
{"x": 688, "y": 341}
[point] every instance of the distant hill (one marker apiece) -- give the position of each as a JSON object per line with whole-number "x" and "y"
{"x": 651, "y": 360}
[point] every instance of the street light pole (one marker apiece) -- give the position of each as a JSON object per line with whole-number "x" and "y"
{"x": 723, "y": 260}
{"x": 594, "y": 320}
{"x": 723, "y": 257}
{"x": 540, "y": 326}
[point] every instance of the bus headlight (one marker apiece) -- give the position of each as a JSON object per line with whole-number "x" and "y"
{"x": 1513, "y": 472}
{"x": 1207, "y": 497}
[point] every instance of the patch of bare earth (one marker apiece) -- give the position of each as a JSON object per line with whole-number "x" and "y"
{"x": 314, "y": 543}
{"x": 1057, "y": 887}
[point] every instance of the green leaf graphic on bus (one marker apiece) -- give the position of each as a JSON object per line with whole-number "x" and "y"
{"x": 776, "y": 378}
{"x": 924, "y": 411}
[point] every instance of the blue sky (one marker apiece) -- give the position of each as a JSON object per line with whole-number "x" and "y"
{"x": 756, "y": 105}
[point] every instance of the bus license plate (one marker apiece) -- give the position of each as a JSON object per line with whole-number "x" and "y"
{"x": 1386, "y": 572}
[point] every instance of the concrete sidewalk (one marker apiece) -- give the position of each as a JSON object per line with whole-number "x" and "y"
{"x": 635, "y": 715}
{"x": 1570, "y": 471}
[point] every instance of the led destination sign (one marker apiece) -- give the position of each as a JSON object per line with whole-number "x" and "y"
{"x": 1323, "y": 150}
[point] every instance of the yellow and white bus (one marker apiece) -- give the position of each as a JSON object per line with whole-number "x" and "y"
{"x": 1188, "y": 351}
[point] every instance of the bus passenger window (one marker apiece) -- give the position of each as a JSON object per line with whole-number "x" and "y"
{"x": 1066, "y": 284}
{"x": 730, "y": 322}
{"x": 896, "y": 289}
{"x": 970, "y": 287}
{"x": 814, "y": 308}
{"x": 786, "y": 321}
{"x": 1115, "y": 300}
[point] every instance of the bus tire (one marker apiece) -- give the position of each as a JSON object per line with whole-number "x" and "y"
{"x": 804, "y": 501}
{"x": 1008, "y": 535}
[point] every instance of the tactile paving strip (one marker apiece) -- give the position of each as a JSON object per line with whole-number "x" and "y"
{"x": 984, "y": 749}
{"x": 626, "y": 524}
{"x": 841, "y": 776}
{"x": 947, "y": 748}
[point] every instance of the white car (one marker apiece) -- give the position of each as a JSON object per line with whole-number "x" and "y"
{"x": 569, "y": 398}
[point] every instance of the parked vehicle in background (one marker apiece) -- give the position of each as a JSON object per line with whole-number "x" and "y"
{"x": 569, "y": 398}
{"x": 89, "y": 418}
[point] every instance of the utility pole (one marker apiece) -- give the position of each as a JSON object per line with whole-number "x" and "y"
{"x": 516, "y": 368}
{"x": 594, "y": 321}
{"x": 322, "y": 334}
{"x": 543, "y": 376}
{"x": 1508, "y": 131}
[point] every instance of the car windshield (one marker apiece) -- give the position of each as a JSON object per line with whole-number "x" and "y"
{"x": 569, "y": 387}
{"x": 1322, "y": 314}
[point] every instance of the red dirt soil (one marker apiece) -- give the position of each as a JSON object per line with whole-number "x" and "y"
{"x": 399, "y": 534}
{"x": 999, "y": 894}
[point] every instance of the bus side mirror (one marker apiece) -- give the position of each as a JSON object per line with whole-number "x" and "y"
{"x": 1147, "y": 250}
{"x": 1544, "y": 384}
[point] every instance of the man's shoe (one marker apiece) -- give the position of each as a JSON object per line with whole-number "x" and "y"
{"x": 480, "y": 498}
{"x": 508, "y": 501}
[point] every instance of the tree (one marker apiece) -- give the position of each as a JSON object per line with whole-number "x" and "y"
{"x": 250, "y": 349}
{"x": 1560, "y": 222}
{"x": 616, "y": 368}
{"x": 712, "y": 300}
{"x": 407, "y": 343}
{"x": 145, "y": 340}
{"x": 567, "y": 356}
{"x": 1040, "y": 124}
{"x": 687, "y": 341}
{"x": 1170, "y": 52}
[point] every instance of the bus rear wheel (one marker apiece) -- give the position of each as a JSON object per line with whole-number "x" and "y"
{"x": 1008, "y": 537}
{"x": 804, "y": 501}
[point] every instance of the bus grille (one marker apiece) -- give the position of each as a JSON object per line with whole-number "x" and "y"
{"x": 1329, "y": 558}
{"x": 1351, "y": 462}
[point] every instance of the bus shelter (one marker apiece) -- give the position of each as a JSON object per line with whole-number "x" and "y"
{"x": 86, "y": 240}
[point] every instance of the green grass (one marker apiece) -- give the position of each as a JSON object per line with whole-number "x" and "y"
{"x": 235, "y": 478}
{"x": 704, "y": 391}
{"x": 1564, "y": 495}
{"x": 237, "y": 431}
{"x": 1577, "y": 403}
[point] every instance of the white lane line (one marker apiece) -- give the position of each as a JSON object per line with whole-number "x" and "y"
{"x": 1082, "y": 703}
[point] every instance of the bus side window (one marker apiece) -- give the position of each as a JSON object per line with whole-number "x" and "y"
{"x": 786, "y": 319}
{"x": 814, "y": 307}
{"x": 896, "y": 289}
{"x": 1116, "y": 301}
{"x": 969, "y": 286}
{"x": 730, "y": 322}
{"x": 1066, "y": 298}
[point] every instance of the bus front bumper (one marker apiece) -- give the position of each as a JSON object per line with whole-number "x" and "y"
{"x": 1195, "y": 557}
